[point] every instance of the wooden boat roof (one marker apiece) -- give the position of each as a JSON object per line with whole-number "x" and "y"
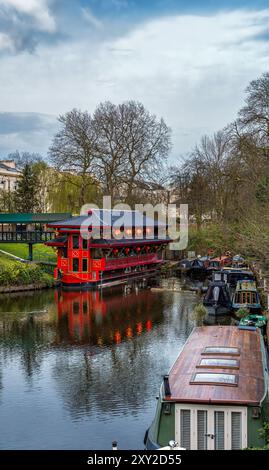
{"x": 250, "y": 382}
{"x": 246, "y": 285}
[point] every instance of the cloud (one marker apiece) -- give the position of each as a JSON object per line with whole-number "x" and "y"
{"x": 38, "y": 10}
{"x": 190, "y": 69}
{"x": 25, "y": 22}
{"x": 26, "y": 132}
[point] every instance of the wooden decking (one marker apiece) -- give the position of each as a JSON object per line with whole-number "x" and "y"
{"x": 250, "y": 385}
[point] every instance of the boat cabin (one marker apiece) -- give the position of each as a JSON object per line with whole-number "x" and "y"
{"x": 233, "y": 275}
{"x": 215, "y": 397}
{"x": 217, "y": 299}
{"x": 107, "y": 248}
{"x": 246, "y": 296}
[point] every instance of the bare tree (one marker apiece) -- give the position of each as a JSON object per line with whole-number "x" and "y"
{"x": 254, "y": 116}
{"x": 133, "y": 147}
{"x": 73, "y": 149}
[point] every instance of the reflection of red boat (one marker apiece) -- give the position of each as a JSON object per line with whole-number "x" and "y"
{"x": 90, "y": 317}
{"x": 115, "y": 255}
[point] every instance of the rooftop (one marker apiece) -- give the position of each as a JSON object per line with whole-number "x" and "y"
{"x": 109, "y": 218}
{"x": 219, "y": 383}
{"x": 29, "y": 218}
{"x": 8, "y": 166}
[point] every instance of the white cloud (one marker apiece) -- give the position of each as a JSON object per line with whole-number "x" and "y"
{"x": 37, "y": 9}
{"x": 190, "y": 69}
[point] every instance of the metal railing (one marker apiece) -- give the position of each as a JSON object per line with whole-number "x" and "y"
{"x": 35, "y": 236}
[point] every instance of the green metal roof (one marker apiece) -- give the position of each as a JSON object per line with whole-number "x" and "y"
{"x": 28, "y": 218}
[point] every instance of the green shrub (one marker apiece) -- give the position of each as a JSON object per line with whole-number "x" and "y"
{"x": 242, "y": 312}
{"x": 15, "y": 273}
{"x": 199, "y": 313}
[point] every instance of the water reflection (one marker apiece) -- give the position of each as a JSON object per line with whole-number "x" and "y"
{"x": 82, "y": 369}
{"x": 101, "y": 319}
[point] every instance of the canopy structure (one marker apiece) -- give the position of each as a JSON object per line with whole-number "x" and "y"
{"x": 28, "y": 228}
{"x": 29, "y": 218}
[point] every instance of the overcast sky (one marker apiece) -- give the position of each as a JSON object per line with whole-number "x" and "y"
{"x": 187, "y": 61}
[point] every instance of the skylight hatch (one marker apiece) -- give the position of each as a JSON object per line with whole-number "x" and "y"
{"x": 221, "y": 350}
{"x": 219, "y": 362}
{"x": 215, "y": 379}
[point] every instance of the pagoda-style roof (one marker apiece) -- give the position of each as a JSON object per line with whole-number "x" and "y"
{"x": 109, "y": 218}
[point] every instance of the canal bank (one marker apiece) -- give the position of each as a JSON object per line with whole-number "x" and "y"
{"x": 18, "y": 275}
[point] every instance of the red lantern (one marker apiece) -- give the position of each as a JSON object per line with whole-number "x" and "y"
{"x": 138, "y": 249}
{"x": 127, "y": 250}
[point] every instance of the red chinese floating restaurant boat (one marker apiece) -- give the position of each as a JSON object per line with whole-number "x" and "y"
{"x": 109, "y": 258}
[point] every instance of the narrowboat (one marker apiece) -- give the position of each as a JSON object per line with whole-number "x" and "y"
{"x": 246, "y": 296}
{"x": 215, "y": 397}
{"x": 259, "y": 321}
{"x": 107, "y": 247}
{"x": 233, "y": 275}
{"x": 193, "y": 267}
{"x": 217, "y": 299}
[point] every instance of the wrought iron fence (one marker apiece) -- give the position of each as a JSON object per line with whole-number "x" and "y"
{"x": 35, "y": 236}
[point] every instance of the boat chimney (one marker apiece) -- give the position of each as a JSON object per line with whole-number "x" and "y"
{"x": 114, "y": 445}
{"x": 167, "y": 391}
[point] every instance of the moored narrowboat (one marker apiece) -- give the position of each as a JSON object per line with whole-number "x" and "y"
{"x": 259, "y": 321}
{"x": 215, "y": 397}
{"x": 217, "y": 299}
{"x": 246, "y": 296}
{"x": 193, "y": 267}
{"x": 233, "y": 275}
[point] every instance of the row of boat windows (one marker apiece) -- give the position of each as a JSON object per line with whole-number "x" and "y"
{"x": 246, "y": 298}
{"x": 84, "y": 268}
{"x": 202, "y": 434}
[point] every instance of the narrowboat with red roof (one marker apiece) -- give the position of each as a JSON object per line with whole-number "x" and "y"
{"x": 107, "y": 247}
{"x": 215, "y": 397}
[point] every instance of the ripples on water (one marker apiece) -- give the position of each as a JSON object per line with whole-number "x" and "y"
{"x": 79, "y": 370}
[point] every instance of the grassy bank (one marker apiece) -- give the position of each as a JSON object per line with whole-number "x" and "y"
{"x": 15, "y": 273}
{"x": 40, "y": 251}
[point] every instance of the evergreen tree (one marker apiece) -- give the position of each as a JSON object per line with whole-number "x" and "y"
{"x": 26, "y": 196}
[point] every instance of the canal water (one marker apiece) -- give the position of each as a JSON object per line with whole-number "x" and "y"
{"x": 80, "y": 370}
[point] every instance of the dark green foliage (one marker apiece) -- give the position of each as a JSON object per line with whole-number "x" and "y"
{"x": 15, "y": 273}
{"x": 26, "y": 197}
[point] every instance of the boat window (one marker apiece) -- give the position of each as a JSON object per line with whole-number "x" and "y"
{"x": 75, "y": 242}
{"x": 185, "y": 429}
{"x": 201, "y": 429}
{"x": 85, "y": 265}
{"x": 75, "y": 264}
{"x": 219, "y": 362}
{"x": 221, "y": 350}
{"x": 236, "y": 431}
{"x": 219, "y": 430}
{"x": 84, "y": 243}
{"x": 218, "y": 379}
